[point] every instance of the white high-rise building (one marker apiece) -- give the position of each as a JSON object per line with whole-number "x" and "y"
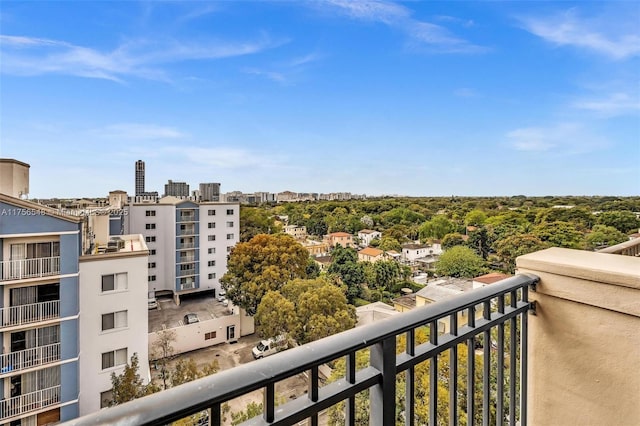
{"x": 188, "y": 242}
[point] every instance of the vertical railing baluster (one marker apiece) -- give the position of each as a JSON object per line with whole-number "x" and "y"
{"x": 471, "y": 367}
{"x": 486, "y": 361}
{"x": 513, "y": 402}
{"x": 409, "y": 391}
{"x": 215, "y": 415}
{"x": 523, "y": 359}
{"x": 269, "y": 402}
{"x": 350, "y": 406}
{"x": 433, "y": 376}
{"x": 453, "y": 373}
{"x": 500, "y": 372}
{"x": 313, "y": 391}
{"x": 382, "y": 397}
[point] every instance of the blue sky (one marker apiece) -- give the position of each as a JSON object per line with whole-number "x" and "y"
{"x": 412, "y": 98}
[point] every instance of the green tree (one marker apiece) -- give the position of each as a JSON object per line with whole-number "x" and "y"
{"x": 509, "y": 248}
{"x": 389, "y": 243}
{"x": 345, "y": 266}
{"x": 162, "y": 351}
{"x": 460, "y": 261}
{"x": 252, "y": 410}
{"x": 128, "y": 385}
{"x": 603, "y": 235}
{"x": 387, "y": 274}
{"x": 475, "y": 218}
{"x": 437, "y": 228}
{"x": 255, "y": 221}
{"x": 264, "y": 263}
{"x": 623, "y": 221}
{"x": 306, "y": 310}
{"x": 559, "y": 234}
{"x": 479, "y": 241}
{"x": 451, "y": 240}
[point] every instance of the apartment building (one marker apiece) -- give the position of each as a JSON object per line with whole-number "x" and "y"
{"x": 114, "y": 315}
{"x": 188, "y": 242}
{"x": 39, "y": 313}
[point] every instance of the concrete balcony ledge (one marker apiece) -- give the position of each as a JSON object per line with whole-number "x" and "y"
{"x": 584, "y": 341}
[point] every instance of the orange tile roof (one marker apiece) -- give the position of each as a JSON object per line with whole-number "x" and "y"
{"x": 491, "y": 278}
{"x": 371, "y": 251}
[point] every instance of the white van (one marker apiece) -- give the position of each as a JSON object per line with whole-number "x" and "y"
{"x": 269, "y": 347}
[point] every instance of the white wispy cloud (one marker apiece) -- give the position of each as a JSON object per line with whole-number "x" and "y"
{"x": 271, "y": 75}
{"x": 138, "y": 131}
{"x": 564, "y": 138}
{"x": 220, "y": 157}
{"x": 605, "y": 37}
{"x": 284, "y": 72}
{"x": 23, "y": 55}
{"x": 433, "y": 37}
{"x": 618, "y": 103}
{"x": 466, "y": 92}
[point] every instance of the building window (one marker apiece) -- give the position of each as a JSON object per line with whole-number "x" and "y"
{"x": 212, "y": 276}
{"x": 230, "y": 237}
{"x": 211, "y": 238}
{"x": 211, "y": 250}
{"x": 229, "y": 248}
{"x": 114, "y": 320}
{"x": 151, "y": 239}
{"x": 152, "y": 252}
{"x": 211, "y": 263}
{"x": 209, "y": 336}
{"x": 230, "y": 224}
{"x": 114, "y": 282}
{"x": 211, "y": 225}
{"x": 212, "y": 212}
{"x": 106, "y": 398}
{"x": 114, "y": 358}
{"x": 150, "y": 226}
{"x": 229, "y": 211}
{"x": 151, "y": 264}
{"x": 151, "y": 278}
{"x": 150, "y": 213}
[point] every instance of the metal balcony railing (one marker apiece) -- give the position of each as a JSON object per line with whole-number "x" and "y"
{"x": 29, "y": 358}
{"x": 186, "y": 217}
{"x": 628, "y": 248}
{"x": 190, "y": 231}
{"x": 186, "y": 259}
{"x": 30, "y": 313}
{"x": 29, "y": 268}
{"x": 184, "y": 246}
{"x": 186, "y": 272}
{"x": 29, "y": 402}
{"x": 495, "y": 376}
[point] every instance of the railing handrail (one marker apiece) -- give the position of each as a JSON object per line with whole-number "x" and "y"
{"x": 25, "y": 403}
{"x": 205, "y": 393}
{"x": 623, "y": 247}
{"x": 29, "y": 268}
{"x": 16, "y": 314}
{"x": 15, "y": 361}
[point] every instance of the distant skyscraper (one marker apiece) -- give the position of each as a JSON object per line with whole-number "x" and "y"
{"x": 139, "y": 177}
{"x": 209, "y": 192}
{"x": 176, "y": 189}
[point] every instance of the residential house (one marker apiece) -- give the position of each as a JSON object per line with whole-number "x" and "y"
{"x": 370, "y": 254}
{"x": 342, "y": 238}
{"x": 297, "y": 232}
{"x": 366, "y": 235}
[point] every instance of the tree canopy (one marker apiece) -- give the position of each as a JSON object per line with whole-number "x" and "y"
{"x": 460, "y": 261}
{"x": 264, "y": 263}
{"x": 305, "y": 310}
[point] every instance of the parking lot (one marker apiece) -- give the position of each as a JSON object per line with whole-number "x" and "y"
{"x": 170, "y": 315}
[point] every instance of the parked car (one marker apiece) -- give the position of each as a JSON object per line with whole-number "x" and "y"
{"x": 221, "y": 295}
{"x": 269, "y": 347}
{"x": 190, "y": 319}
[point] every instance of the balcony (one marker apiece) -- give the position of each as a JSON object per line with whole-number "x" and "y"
{"x": 188, "y": 231}
{"x": 628, "y": 248}
{"x": 29, "y": 402}
{"x": 186, "y": 246}
{"x": 186, "y": 259}
{"x": 186, "y": 272}
{"x": 30, "y": 313}
{"x": 29, "y": 268}
{"x": 29, "y": 358}
{"x": 187, "y": 217}
{"x": 563, "y": 350}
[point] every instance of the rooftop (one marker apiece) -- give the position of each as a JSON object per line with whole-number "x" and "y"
{"x": 132, "y": 244}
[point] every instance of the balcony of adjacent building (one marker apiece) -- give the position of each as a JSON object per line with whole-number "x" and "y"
{"x": 30, "y": 304}
{"x": 186, "y": 270}
{"x": 185, "y": 243}
{"x": 186, "y": 215}
{"x": 29, "y": 349}
{"x": 22, "y": 269}
{"x": 29, "y": 395}
{"x": 188, "y": 229}
{"x": 557, "y": 344}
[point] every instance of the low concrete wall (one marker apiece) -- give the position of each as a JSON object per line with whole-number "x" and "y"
{"x": 194, "y": 336}
{"x": 584, "y": 341}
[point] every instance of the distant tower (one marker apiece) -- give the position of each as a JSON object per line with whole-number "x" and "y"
{"x": 210, "y": 191}
{"x": 139, "y": 177}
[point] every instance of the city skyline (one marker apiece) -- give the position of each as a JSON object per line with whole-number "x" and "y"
{"x": 417, "y": 99}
